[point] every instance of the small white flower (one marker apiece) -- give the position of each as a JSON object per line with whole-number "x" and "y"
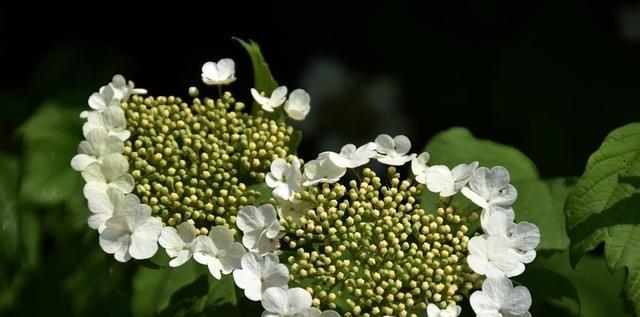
{"x": 447, "y": 182}
{"x": 104, "y": 98}
{"x": 124, "y": 89}
{"x": 419, "y": 167}
{"x": 221, "y": 73}
{"x": 452, "y": 310}
{"x": 352, "y": 157}
{"x": 98, "y": 144}
{"x": 278, "y": 96}
{"x": 111, "y": 119}
{"x": 292, "y": 210}
{"x": 393, "y": 151}
{"x": 107, "y": 204}
{"x": 112, "y": 172}
{"x": 260, "y": 228}
{"x": 322, "y": 170}
{"x": 179, "y": 243}
{"x": 497, "y": 220}
{"x": 493, "y": 256}
{"x": 284, "y": 178}
{"x": 490, "y": 187}
{"x": 298, "y": 105}
{"x": 132, "y": 234}
{"x": 278, "y": 302}
{"x": 259, "y": 273}
{"x": 523, "y": 237}
{"x": 498, "y": 298}
{"x": 218, "y": 251}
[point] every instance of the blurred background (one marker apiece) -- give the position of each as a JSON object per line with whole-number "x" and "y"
{"x": 551, "y": 78}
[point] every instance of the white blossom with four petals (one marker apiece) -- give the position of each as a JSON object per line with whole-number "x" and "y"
{"x": 498, "y": 298}
{"x": 489, "y": 187}
{"x": 284, "y": 178}
{"x": 393, "y": 151}
{"x": 452, "y": 310}
{"x": 277, "y": 98}
{"x": 111, "y": 119}
{"x": 179, "y": 242}
{"x": 105, "y": 205}
{"x": 258, "y": 273}
{"x": 298, "y": 105}
{"x": 98, "y": 144}
{"x": 260, "y": 228}
{"x": 221, "y": 73}
{"x": 124, "y": 89}
{"x": 132, "y": 234}
{"x": 447, "y": 182}
{"x": 493, "y": 256}
{"x": 218, "y": 251}
{"x": 322, "y": 170}
{"x": 352, "y": 157}
{"x": 111, "y": 173}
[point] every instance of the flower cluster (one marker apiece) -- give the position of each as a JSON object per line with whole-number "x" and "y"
{"x": 182, "y": 175}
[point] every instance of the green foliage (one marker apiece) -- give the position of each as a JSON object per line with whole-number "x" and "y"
{"x": 205, "y": 296}
{"x": 9, "y": 181}
{"x": 539, "y": 201}
{"x": 605, "y": 205}
{"x": 263, "y": 80}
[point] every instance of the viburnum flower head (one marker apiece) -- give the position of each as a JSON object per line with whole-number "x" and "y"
{"x": 259, "y": 273}
{"x": 104, "y": 205}
{"x": 260, "y": 228}
{"x": 220, "y": 73}
{"x": 218, "y": 251}
{"x": 322, "y": 170}
{"x": 489, "y": 187}
{"x": 277, "y": 98}
{"x": 284, "y": 178}
{"x": 452, "y": 310}
{"x": 498, "y": 298}
{"x": 132, "y": 234}
{"x": 447, "y": 182}
{"x": 98, "y": 145}
{"x": 419, "y": 167}
{"x": 393, "y": 151}
{"x": 179, "y": 242}
{"x": 298, "y": 105}
{"x": 352, "y": 157}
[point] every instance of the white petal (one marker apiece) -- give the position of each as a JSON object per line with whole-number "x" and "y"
{"x": 497, "y": 289}
{"x": 474, "y": 197}
{"x": 226, "y": 68}
{"x": 278, "y": 96}
{"x": 251, "y": 284}
{"x": 525, "y": 236}
{"x": 518, "y": 301}
{"x": 81, "y": 161}
{"x": 385, "y": 144}
{"x": 402, "y": 144}
{"x": 439, "y": 179}
{"x": 298, "y": 299}
{"x": 181, "y": 258}
{"x": 298, "y": 105}
{"x": 481, "y": 303}
{"x": 275, "y": 300}
{"x": 433, "y": 311}
{"x": 260, "y": 99}
{"x": 170, "y": 240}
{"x": 144, "y": 240}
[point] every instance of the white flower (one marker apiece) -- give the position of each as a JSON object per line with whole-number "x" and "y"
{"x": 493, "y": 256}
{"x": 498, "y": 298}
{"x": 104, "y": 98}
{"x": 419, "y": 167}
{"x": 112, "y": 172}
{"x": 452, "y": 310}
{"x": 523, "y": 237}
{"x": 221, "y": 73}
{"x": 352, "y": 157}
{"x": 447, "y": 182}
{"x": 179, "y": 243}
{"x": 278, "y": 302}
{"x": 393, "y": 151}
{"x": 497, "y": 220}
{"x": 260, "y": 228}
{"x": 218, "y": 251}
{"x": 322, "y": 170}
{"x": 132, "y": 234}
{"x": 98, "y": 144}
{"x": 292, "y": 210}
{"x": 298, "y": 105}
{"x": 111, "y": 119}
{"x": 258, "y": 273}
{"x": 278, "y": 96}
{"x": 489, "y": 187}
{"x": 124, "y": 89}
{"x": 284, "y": 178}
{"x": 104, "y": 205}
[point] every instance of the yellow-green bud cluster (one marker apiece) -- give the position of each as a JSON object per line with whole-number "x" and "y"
{"x": 197, "y": 160}
{"x": 369, "y": 249}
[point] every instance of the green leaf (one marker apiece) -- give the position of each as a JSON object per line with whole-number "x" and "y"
{"x": 8, "y": 207}
{"x": 51, "y": 137}
{"x": 152, "y": 287}
{"x": 263, "y": 79}
{"x": 265, "y": 193}
{"x": 604, "y": 206}
{"x": 598, "y": 291}
{"x": 205, "y": 296}
{"x": 538, "y": 201}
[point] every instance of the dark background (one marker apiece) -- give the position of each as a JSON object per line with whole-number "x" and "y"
{"x": 551, "y": 77}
